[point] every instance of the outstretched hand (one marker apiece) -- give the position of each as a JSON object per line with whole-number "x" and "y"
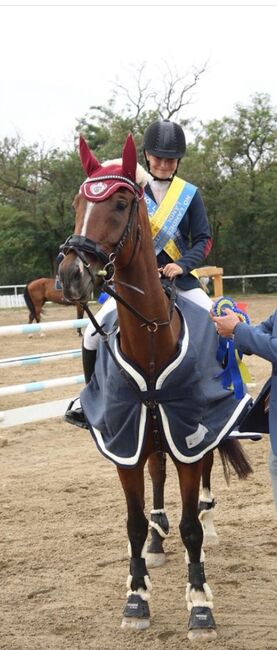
{"x": 226, "y": 324}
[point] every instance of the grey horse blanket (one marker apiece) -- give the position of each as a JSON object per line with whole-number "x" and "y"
{"x": 194, "y": 411}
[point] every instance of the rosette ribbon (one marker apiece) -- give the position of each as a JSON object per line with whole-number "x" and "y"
{"x": 235, "y": 374}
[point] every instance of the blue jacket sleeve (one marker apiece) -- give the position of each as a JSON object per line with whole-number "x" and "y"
{"x": 195, "y": 227}
{"x": 259, "y": 340}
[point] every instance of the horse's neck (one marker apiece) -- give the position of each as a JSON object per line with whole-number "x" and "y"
{"x": 137, "y": 342}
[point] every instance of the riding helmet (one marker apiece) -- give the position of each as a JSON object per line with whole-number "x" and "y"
{"x": 165, "y": 139}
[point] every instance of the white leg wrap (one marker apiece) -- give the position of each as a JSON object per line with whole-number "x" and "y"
{"x": 206, "y": 495}
{"x": 206, "y": 517}
{"x": 143, "y": 593}
{"x": 196, "y": 598}
{"x": 207, "y": 521}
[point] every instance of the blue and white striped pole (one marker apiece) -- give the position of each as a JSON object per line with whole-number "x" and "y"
{"x": 41, "y": 385}
{"x": 34, "y": 359}
{"x": 10, "y": 330}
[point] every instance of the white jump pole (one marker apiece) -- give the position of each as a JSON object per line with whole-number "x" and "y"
{"x": 33, "y": 413}
{"x": 41, "y": 385}
{"x": 33, "y": 359}
{"x": 10, "y": 330}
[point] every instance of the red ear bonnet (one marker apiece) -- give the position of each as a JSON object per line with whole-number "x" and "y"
{"x": 104, "y": 180}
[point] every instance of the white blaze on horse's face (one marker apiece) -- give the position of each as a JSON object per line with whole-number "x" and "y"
{"x": 87, "y": 214}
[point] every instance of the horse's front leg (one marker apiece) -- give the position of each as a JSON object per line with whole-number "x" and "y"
{"x": 207, "y": 503}
{"x": 158, "y": 520}
{"x": 198, "y": 595}
{"x": 136, "y": 614}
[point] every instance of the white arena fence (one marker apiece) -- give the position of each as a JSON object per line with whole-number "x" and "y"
{"x": 14, "y": 297}
{"x": 43, "y": 411}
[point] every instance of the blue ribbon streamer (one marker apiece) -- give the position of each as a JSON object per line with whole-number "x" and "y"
{"x": 231, "y": 376}
{"x": 226, "y": 352}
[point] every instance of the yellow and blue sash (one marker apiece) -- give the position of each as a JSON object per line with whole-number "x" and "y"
{"x": 165, "y": 218}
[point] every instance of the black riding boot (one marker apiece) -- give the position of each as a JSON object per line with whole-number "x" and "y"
{"x": 76, "y": 416}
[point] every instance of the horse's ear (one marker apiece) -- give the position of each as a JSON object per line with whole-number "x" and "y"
{"x": 88, "y": 160}
{"x": 129, "y": 158}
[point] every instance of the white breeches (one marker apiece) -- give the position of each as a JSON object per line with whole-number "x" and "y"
{"x": 90, "y": 342}
{"x": 199, "y": 296}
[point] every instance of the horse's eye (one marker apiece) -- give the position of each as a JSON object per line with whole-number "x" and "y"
{"x": 121, "y": 205}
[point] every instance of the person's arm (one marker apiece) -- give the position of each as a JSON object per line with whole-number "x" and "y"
{"x": 257, "y": 340}
{"x": 200, "y": 235}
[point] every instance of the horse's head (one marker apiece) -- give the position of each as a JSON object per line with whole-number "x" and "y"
{"x": 105, "y": 224}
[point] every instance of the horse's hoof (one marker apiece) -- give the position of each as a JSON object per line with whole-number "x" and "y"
{"x": 136, "y": 624}
{"x": 154, "y": 560}
{"x": 201, "y": 625}
{"x": 202, "y": 635}
{"x": 136, "y": 614}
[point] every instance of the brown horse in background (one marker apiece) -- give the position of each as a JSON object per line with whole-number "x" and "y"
{"x": 38, "y": 292}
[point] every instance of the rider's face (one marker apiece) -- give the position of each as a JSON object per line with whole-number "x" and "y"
{"x": 162, "y": 167}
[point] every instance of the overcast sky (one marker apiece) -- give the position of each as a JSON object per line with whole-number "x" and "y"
{"x": 56, "y": 61}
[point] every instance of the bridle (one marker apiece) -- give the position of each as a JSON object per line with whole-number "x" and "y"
{"x": 83, "y": 245}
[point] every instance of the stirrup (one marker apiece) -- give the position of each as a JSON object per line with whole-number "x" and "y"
{"x": 75, "y": 416}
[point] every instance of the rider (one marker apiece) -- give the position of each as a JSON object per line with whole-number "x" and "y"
{"x": 166, "y": 196}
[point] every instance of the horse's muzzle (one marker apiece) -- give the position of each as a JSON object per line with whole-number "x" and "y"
{"x": 78, "y": 284}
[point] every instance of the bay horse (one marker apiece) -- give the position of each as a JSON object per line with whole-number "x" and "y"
{"x": 155, "y": 388}
{"x": 38, "y": 291}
